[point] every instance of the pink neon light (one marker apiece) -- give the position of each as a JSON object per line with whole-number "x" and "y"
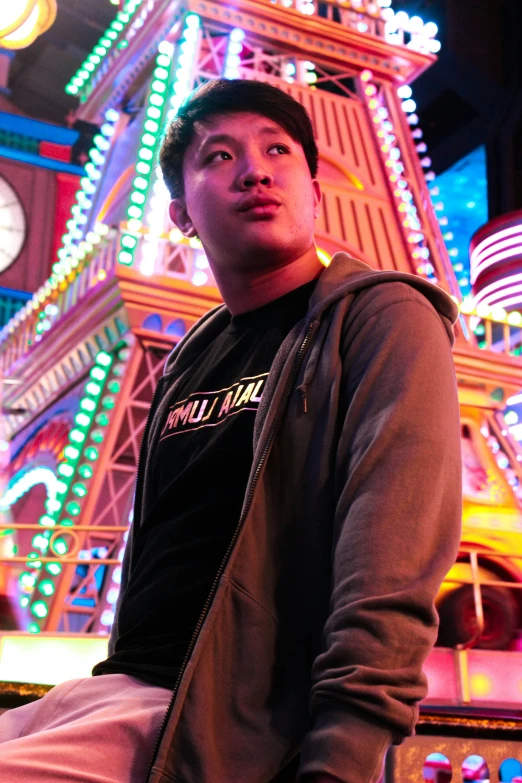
{"x": 499, "y": 284}
{"x": 514, "y": 300}
{"x": 478, "y": 257}
{"x": 509, "y": 288}
{"x": 502, "y": 671}
{"x": 506, "y": 232}
{"x": 494, "y": 260}
{"x": 499, "y": 299}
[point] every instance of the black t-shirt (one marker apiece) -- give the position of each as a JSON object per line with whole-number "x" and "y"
{"x": 200, "y": 467}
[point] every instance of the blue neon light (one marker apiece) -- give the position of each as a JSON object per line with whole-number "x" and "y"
{"x": 35, "y": 129}
{"x": 38, "y": 160}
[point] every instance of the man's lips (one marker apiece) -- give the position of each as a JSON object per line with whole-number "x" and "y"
{"x": 260, "y": 204}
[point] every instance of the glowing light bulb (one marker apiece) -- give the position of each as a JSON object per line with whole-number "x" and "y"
{"x": 404, "y": 91}
{"x": 430, "y": 29}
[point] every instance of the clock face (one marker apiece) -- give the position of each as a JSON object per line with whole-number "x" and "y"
{"x": 12, "y": 225}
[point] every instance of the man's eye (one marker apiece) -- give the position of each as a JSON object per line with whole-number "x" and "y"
{"x": 215, "y": 155}
{"x": 278, "y": 149}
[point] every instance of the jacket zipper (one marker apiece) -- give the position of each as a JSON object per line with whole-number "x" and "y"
{"x": 253, "y": 483}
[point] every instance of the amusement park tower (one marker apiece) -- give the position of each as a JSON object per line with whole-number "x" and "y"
{"x": 81, "y": 360}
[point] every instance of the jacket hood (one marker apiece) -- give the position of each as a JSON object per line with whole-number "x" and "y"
{"x": 344, "y": 275}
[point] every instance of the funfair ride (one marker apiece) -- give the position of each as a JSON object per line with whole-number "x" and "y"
{"x": 79, "y": 362}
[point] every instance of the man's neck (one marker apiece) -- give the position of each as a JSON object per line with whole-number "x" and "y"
{"x": 242, "y": 293}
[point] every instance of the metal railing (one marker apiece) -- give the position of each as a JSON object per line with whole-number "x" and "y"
{"x": 367, "y": 17}
{"x": 25, "y": 330}
{"x": 71, "y": 557}
{"x": 498, "y": 336}
{"x": 179, "y": 261}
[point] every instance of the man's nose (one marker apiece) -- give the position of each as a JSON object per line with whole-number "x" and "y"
{"x": 255, "y": 173}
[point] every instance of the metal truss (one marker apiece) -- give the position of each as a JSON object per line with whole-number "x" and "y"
{"x": 212, "y": 53}
{"x": 260, "y": 63}
{"x": 176, "y": 261}
{"x": 82, "y": 596}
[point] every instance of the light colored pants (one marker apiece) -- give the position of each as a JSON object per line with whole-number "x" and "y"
{"x": 90, "y": 730}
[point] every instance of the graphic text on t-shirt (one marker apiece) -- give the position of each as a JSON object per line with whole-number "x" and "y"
{"x": 207, "y": 409}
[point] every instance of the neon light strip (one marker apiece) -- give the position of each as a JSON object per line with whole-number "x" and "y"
{"x": 69, "y": 492}
{"x": 74, "y": 248}
{"x": 38, "y": 160}
{"x": 232, "y": 62}
{"x": 499, "y": 300}
{"x": 496, "y": 287}
{"x": 105, "y": 380}
{"x": 185, "y": 60}
{"x": 169, "y": 63}
{"x": 495, "y": 259}
{"x": 113, "y": 34}
{"x": 484, "y": 254}
{"x": 506, "y": 232}
{"x": 183, "y": 67}
{"x": 391, "y": 155}
{"x": 21, "y": 484}
{"x": 154, "y": 117}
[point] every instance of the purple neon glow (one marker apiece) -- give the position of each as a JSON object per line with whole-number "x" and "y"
{"x": 486, "y": 253}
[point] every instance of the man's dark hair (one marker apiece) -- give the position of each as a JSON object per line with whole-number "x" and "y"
{"x": 225, "y": 96}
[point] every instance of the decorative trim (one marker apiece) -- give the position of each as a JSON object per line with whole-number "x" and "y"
{"x": 111, "y": 89}
{"x": 64, "y": 372}
{"x": 313, "y": 36}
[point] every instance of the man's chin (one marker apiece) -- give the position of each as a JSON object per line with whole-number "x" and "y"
{"x": 262, "y": 254}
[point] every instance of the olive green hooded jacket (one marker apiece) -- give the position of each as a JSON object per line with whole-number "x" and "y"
{"x": 307, "y": 659}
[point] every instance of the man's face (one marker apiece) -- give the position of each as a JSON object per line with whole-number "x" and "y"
{"x": 248, "y": 194}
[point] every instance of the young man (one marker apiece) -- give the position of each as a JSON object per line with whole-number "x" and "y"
{"x": 298, "y": 500}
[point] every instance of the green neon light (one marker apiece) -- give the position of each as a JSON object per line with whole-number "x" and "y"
{"x": 40, "y": 609}
{"x": 155, "y": 112}
{"x": 183, "y": 62}
{"x": 74, "y": 246}
{"x": 46, "y": 587}
{"x": 113, "y": 38}
{"x": 73, "y": 490}
{"x": 27, "y": 580}
{"x": 23, "y": 482}
{"x": 60, "y": 546}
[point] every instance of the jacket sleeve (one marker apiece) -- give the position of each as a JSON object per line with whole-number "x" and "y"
{"x": 396, "y": 533}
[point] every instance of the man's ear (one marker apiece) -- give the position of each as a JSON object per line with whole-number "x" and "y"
{"x": 317, "y": 197}
{"x": 181, "y": 218}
